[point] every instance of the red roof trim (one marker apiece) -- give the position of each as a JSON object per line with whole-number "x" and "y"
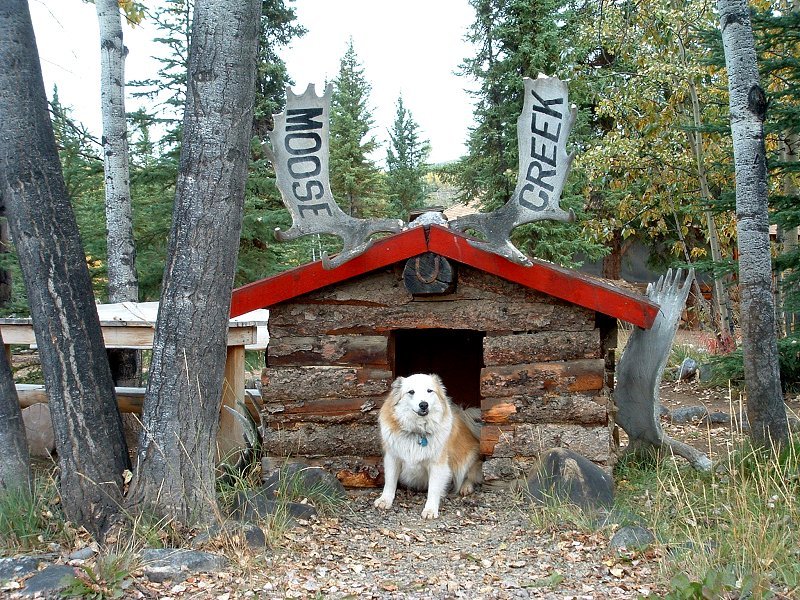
{"x": 542, "y": 276}
{"x": 308, "y": 278}
{"x": 548, "y": 278}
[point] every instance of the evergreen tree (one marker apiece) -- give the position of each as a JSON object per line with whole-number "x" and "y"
{"x": 514, "y": 39}
{"x": 405, "y": 163}
{"x": 355, "y": 180}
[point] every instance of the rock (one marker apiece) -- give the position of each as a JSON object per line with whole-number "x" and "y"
{"x": 175, "y": 564}
{"x": 303, "y": 479}
{"x": 565, "y": 473}
{"x": 252, "y": 534}
{"x": 688, "y": 369}
{"x": 632, "y": 537}
{"x": 82, "y": 554}
{"x": 48, "y": 582}
{"x": 717, "y": 418}
{"x": 39, "y": 430}
{"x": 687, "y": 414}
{"x": 14, "y": 568}
{"x": 261, "y": 504}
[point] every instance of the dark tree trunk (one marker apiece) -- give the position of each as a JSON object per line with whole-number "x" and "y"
{"x": 5, "y": 247}
{"x": 88, "y": 428}
{"x": 15, "y": 462}
{"x": 748, "y": 105}
{"x": 177, "y": 452}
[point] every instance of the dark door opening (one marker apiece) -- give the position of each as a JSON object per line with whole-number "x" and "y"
{"x": 456, "y": 355}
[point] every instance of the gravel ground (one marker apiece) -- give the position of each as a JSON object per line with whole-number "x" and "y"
{"x": 483, "y": 546}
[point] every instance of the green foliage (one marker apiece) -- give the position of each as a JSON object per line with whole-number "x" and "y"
{"x": 405, "y": 163}
{"x": 730, "y": 367}
{"x": 516, "y": 39}
{"x": 356, "y": 183}
{"x": 30, "y": 521}
{"x": 729, "y": 533}
{"x": 107, "y": 579}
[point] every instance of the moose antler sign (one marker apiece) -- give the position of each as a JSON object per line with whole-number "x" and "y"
{"x": 300, "y": 154}
{"x": 544, "y": 163}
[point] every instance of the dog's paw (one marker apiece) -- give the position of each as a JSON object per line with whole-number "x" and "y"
{"x": 466, "y": 488}
{"x": 384, "y": 503}
{"x": 430, "y": 513}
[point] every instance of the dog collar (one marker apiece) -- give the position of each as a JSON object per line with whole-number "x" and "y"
{"x": 423, "y": 440}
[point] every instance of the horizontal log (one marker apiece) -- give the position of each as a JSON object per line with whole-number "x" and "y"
{"x": 129, "y": 399}
{"x": 315, "y": 440}
{"x": 303, "y": 384}
{"x": 580, "y": 409}
{"x": 538, "y": 378}
{"x": 334, "y": 410}
{"x": 525, "y": 439}
{"x": 329, "y": 350}
{"x": 502, "y": 316}
{"x": 541, "y": 346}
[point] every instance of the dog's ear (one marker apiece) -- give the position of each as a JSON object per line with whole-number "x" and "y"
{"x": 398, "y": 383}
{"x": 396, "y": 392}
{"x": 437, "y": 381}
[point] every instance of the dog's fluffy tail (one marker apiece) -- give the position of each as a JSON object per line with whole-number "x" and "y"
{"x": 473, "y": 419}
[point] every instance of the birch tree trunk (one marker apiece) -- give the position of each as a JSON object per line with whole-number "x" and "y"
{"x": 91, "y": 448}
{"x": 15, "y": 461}
{"x": 748, "y": 105}
{"x": 177, "y": 450}
{"x": 122, "y": 280}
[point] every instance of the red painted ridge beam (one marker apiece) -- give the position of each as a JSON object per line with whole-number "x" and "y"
{"x": 548, "y": 278}
{"x": 308, "y": 278}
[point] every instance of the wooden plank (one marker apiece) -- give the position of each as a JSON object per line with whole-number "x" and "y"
{"x": 315, "y": 319}
{"x": 118, "y": 335}
{"x": 326, "y": 410}
{"x": 527, "y": 439}
{"x": 324, "y": 382}
{"x": 583, "y": 409}
{"x": 541, "y": 346}
{"x": 329, "y": 350}
{"x": 543, "y": 377}
{"x": 231, "y": 438}
{"x": 549, "y": 278}
{"x": 301, "y": 280}
{"x": 129, "y": 399}
{"x": 315, "y": 440}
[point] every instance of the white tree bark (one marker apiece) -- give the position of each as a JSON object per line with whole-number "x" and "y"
{"x": 748, "y": 105}
{"x": 122, "y": 280}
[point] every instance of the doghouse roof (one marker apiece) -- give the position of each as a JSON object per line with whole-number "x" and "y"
{"x": 542, "y": 276}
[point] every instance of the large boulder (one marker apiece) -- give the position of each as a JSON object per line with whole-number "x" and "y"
{"x": 563, "y": 474}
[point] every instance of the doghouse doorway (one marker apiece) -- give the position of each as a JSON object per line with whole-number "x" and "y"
{"x": 456, "y": 355}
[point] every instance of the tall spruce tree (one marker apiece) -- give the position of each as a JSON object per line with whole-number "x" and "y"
{"x": 406, "y": 164}
{"x": 514, "y": 39}
{"x": 355, "y": 179}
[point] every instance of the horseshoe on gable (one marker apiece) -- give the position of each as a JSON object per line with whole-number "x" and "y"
{"x": 429, "y": 274}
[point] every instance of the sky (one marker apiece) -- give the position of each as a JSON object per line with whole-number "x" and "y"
{"x": 413, "y": 48}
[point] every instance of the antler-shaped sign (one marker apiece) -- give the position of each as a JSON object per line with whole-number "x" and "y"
{"x": 300, "y": 154}
{"x": 542, "y": 129}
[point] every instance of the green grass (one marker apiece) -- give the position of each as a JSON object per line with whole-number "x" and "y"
{"x": 729, "y": 532}
{"x": 107, "y": 577}
{"x": 30, "y": 521}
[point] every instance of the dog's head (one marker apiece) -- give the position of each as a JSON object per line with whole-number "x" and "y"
{"x": 419, "y": 396}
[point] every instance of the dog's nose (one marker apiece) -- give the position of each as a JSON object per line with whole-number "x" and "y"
{"x": 423, "y": 405}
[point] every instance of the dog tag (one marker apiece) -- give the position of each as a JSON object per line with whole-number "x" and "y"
{"x": 423, "y": 441}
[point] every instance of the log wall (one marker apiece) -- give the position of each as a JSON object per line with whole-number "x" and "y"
{"x": 544, "y": 382}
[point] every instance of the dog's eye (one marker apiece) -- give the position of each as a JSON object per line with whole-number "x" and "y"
{"x": 410, "y": 392}
{"x": 430, "y": 391}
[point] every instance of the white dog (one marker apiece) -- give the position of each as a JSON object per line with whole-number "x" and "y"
{"x": 427, "y": 442}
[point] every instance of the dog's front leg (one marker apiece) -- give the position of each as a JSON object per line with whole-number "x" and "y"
{"x": 391, "y": 473}
{"x": 438, "y": 480}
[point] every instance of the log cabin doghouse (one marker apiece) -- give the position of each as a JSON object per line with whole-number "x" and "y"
{"x": 532, "y": 346}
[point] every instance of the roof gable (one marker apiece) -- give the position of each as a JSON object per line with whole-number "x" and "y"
{"x": 542, "y": 276}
